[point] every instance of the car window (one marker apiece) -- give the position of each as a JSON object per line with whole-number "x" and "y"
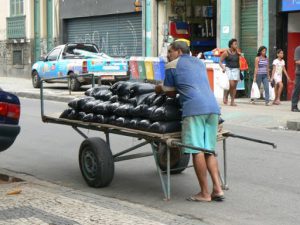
{"x": 54, "y": 54}
{"x": 71, "y": 48}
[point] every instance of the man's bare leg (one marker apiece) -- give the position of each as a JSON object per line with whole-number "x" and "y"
{"x": 212, "y": 166}
{"x": 201, "y": 172}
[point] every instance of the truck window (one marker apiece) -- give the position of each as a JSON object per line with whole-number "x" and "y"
{"x": 54, "y": 54}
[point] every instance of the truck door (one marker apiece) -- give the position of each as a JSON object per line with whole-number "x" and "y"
{"x": 51, "y": 65}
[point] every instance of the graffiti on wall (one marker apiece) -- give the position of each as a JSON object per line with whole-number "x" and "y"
{"x": 102, "y": 41}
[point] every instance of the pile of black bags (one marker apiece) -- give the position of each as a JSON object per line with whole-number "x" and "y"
{"x": 129, "y": 104}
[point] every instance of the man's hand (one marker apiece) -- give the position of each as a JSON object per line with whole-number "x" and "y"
{"x": 158, "y": 89}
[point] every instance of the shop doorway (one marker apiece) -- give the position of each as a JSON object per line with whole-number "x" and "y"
{"x": 194, "y": 20}
{"x": 293, "y": 40}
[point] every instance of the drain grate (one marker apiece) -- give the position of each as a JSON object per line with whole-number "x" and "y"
{"x": 5, "y": 179}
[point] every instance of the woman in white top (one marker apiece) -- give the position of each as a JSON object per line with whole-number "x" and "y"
{"x": 278, "y": 68}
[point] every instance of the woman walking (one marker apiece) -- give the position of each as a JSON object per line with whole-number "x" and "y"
{"x": 232, "y": 70}
{"x": 261, "y": 72}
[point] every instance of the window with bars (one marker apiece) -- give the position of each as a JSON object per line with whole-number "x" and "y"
{"x": 16, "y": 7}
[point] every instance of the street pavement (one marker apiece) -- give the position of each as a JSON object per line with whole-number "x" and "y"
{"x": 263, "y": 182}
{"x": 245, "y": 114}
{"x": 36, "y": 202}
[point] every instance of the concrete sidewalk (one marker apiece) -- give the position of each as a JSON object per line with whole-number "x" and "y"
{"x": 38, "y": 202}
{"x": 245, "y": 114}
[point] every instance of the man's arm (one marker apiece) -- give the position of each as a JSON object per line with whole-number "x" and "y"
{"x": 297, "y": 62}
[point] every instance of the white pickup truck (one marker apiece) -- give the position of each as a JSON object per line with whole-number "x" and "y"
{"x": 77, "y": 59}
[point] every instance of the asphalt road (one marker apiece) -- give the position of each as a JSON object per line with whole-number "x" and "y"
{"x": 264, "y": 183}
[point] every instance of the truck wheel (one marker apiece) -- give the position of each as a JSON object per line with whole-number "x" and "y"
{"x": 36, "y": 80}
{"x": 96, "y": 162}
{"x": 178, "y": 160}
{"x": 74, "y": 83}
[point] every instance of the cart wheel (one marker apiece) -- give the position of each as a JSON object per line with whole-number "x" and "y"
{"x": 178, "y": 160}
{"x": 96, "y": 162}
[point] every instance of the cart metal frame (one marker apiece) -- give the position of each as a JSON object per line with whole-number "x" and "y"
{"x": 171, "y": 140}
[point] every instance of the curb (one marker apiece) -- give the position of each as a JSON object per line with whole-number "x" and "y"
{"x": 293, "y": 125}
{"x": 46, "y": 97}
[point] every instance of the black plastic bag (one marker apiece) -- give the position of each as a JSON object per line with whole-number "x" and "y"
{"x": 149, "y": 100}
{"x": 166, "y": 113}
{"x": 165, "y": 127}
{"x": 112, "y": 119}
{"x": 78, "y": 103}
{"x": 141, "y": 98}
{"x": 173, "y": 101}
{"x": 122, "y": 121}
{"x": 141, "y": 88}
{"x": 92, "y": 91}
{"x": 123, "y": 110}
{"x": 101, "y": 108}
{"x": 114, "y": 87}
{"x": 148, "y": 111}
{"x": 132, "y": 101}
{"x": 113, "y": 106}
{"x": 88, "y": 107}
{"x": 124, "y": 89}
{"x": 159, "y": 100}
{"x": 103, "y": 95}
{"x": 65, "y": 113}
{"x": 144, "y": 124}
{"x": 114, "y": 98}
{"x": 100, "y": 119}
{"x": 133, "y": 123}
{"x": 81, "y": 115}
{"x": 73, "y": 115}
{"x": 88, "y": 117}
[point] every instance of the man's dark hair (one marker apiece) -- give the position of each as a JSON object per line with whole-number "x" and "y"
{"x": 180, "y": 45}
{"x": 231, "y": 42}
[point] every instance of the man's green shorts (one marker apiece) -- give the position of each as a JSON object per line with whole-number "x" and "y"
{"x": 200, "y": 131}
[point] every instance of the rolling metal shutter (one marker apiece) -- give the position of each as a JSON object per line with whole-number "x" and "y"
{"x": 116, "y": 35}
{"x": 248, "y": 41}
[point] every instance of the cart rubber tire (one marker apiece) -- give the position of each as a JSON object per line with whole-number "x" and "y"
{"x": 74, "y": 83}
{"x": 36, "y": 80}
{"x": 178, "y": 160}
{"x": 96, "y": 162}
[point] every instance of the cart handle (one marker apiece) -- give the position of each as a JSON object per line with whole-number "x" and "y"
{"x": 250, "y": 139}
{"x": 60, "y": 78}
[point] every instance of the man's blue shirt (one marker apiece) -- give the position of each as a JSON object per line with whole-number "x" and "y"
{"x": 188, "y": 76}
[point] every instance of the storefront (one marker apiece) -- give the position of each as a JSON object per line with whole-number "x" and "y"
{"x": 289, "y": 34}
{"x": 114, "y": 26}
{"x": 194, "y": 20}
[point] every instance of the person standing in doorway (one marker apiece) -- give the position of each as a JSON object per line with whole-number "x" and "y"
{"x": 232, "y": 69}
{"x": 262, "y": 73}
{"x": 296, "y": 92}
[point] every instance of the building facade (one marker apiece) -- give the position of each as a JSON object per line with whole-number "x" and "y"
{"x": 114, "y": 26}
{"x": 28, "y": 29}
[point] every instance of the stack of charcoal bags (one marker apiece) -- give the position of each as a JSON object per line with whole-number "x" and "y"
{"x": 128, "y": 104}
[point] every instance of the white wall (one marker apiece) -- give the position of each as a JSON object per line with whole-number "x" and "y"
{"x": 4, "y": 12}
{"x": 293, "y": 22}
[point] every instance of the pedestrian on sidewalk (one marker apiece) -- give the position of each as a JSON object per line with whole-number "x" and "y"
{"x": 262, "y": 73}
{"x": 232, "y": 70}
{"x": 187, "y": 76}
{"x": 278, "y": 68}
{"x": 296, "y": 92}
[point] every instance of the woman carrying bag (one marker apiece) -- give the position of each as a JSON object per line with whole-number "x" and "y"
{"x": 261, "y": 73}
{"x": 232, "y": 69}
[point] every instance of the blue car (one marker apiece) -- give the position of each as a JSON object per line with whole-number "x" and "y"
{"x": 9, "y": 119}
